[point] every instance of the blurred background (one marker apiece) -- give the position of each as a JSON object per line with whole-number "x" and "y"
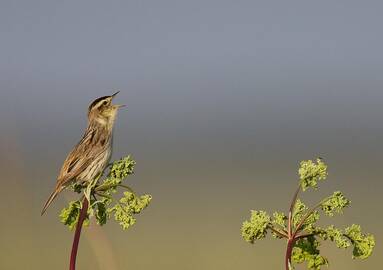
{"x": 224, "y": 98}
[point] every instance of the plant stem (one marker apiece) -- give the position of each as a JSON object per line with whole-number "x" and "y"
{"x": 290, "y": 235}
{"x": 294, "y": 200}
{"x": 127, "y": 187}
{"x": 290, "y": 217}
{"x": 309, "y": 213}
{"x": 289, "y": 251}
{"x": 76, "y": 239}
{"x": 279, "y": 233}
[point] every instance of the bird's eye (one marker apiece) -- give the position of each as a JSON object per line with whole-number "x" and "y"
{"x": 105, "y": 102}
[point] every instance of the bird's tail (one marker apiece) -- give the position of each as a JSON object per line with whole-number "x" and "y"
{"x": 50, "y": 199}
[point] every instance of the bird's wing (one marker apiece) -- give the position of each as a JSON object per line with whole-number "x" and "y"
{"x": 78, "y": 159}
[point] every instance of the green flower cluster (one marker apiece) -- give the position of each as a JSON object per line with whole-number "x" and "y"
{"x": 310, "y": 173}
{"x": 256, "y": 228}
{"x": 300, "y": 225}
{"x": 335, "y": 203}
{"x": 101, "y": 200}
{"x": 128, "y": 206}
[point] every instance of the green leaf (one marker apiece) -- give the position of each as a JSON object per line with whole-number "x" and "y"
{"x": 69, "y": 216}
{"x": 336, "y": 203}
{"x": 337, "y": 236}
{"x": 76, "y": 187}
{"x": 299, "y": 212}
{"x": 119, "y": 170}
{"x": 100, "y": 198}
{"x": 256, "y": 228}
{"x": 310, "y": 173}
{"x": 363, "y": 243}
{"x": 128, "y": 206}
{"x": 306, "y": 250}
{"x": 280, "y": 219}
{"x": 110, "y": 185}
{"x": 122, "y": 168}
{"x": 102, "y": 214}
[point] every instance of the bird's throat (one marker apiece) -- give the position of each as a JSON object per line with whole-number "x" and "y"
{"x": 105, "y": 122}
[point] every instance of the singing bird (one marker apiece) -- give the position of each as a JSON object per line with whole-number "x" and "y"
{"x": 92, "y": 154}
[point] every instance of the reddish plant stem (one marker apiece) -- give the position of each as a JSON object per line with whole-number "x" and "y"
{"x": 290, "y": 234}
{"x": 289, "y": 251}
{"x": 76, "y": 239}
{"x": 294, "y": 200}
{"x": 282, "y": 234}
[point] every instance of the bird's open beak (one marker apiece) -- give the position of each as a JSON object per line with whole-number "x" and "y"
{"x": 117, "y": 105}
{"x": 115, "y": 94}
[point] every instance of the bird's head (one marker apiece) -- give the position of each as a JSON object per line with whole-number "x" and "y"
{"x": 102, "y": 109}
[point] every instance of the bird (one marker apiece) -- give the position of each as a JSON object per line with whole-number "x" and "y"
{"x": 92, "y": 154}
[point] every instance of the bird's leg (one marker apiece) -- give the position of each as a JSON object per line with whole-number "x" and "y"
{"x": 90, "y": 188}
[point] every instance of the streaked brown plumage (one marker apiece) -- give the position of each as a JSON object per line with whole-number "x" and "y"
{"x": 91, "y": 155}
